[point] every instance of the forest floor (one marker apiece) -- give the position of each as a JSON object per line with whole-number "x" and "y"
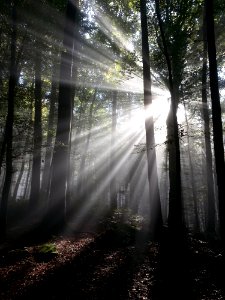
{"x": 103, "y": 265}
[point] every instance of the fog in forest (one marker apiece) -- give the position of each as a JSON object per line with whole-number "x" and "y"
{"x": 113, "y": 111}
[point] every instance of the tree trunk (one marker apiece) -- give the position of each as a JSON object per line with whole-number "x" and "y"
{"x": 15, "y": 192}
{"x": 208, "y": 152}
{"x": 216, "y": 115}
{"x": 57, "y": 197}
{"x": 3, "y": 148}
{"x": 155, "y": 206}
{"x": 37, "y": 139}
{"x": 50, "y": 134}
{"x": 77, "y": 140}
{"x": 173, "y": 264}
{"x": 164, "y": 187}
{"x": 193, "y": 184}
{"x": 27, "y": 182}
{"x": 175, "y": 219}
{"x": 9, "y": 126}
{"x": 81, "y": 186}
{"x": 113, "y": 190}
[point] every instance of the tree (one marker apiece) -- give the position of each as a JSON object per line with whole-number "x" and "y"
{"x": 175, "y": 219}
{"x": 155, "y": 206}
{"x": 113, "y": 188}
{"x": 37, "y": 137}
{"x": 82, "y": 192}
{"x": 172, "y": 250}
{"x": 208, "y": 151}
{"x": 50, "y": 134}
{"x": 60, "y": 160}
{"x": 216, "y": 114}
{"x": 193, "y": 183}
{"x": 9, "y": 124}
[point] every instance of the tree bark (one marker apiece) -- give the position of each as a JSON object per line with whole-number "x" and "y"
{"x": 175, "y": 219}
{"x": 208, "y": 151}
{"x": 27, "y": 181}
{"x": 57, "y": 198}
{"x": 37, "y": 139}
{"x": 173, "y": 266}
{"x": 50, "y": 135}
{"x": 15, "y": 192}
{"x": 193, "y": 184}
{"x": 9, "y": 127}
{"x": 81, "y": 186}
{"x": 216, "y": 114}
{"x": 155, "y": 206}
{"x": 113, "y": 189}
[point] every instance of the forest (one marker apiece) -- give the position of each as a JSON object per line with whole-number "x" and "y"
{"x": 112, "y": 133}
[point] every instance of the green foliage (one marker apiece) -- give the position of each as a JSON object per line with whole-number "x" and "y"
{"x": 48, "y": 248}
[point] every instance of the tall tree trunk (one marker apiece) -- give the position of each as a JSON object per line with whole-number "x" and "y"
{"x": 133, "y": 176}
{"x": 208, "y": 152}
{"x": 81, "y": 186}
{"x": 113, "y": 191}
{"x": 21, "y": 172}
{"x": 37, "y": 138}
{"x": 175, "y": 219}
{"x": 77, "y": 140}
{"x": 27, "y": 181}
{"x": 164, "y": 187}
{"x": 15, "y": 192}
{"x": 193, "y": 184}
{"x": 155, "y": 206}
{"x": 71, "y": 165}
{"x": 3, "y": 148}
{"x": 57, "y": 198}
{"x": 50, "y": 134}
{"x": 9, "y": 126}
{"x": 172, "y": 247}
{"x": 216, "y": 114}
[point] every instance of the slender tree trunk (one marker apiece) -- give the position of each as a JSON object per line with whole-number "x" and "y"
{"x": 18, "y": 181}
{"x": 57, "y": 198}
{"x": 164, "y": 187}
{"x": 133, "y": 177}
{"x": 74, "y": 190}
{"x": 9, "y": 127}
{"x": 193, "y": 184}
{"x": 155, "y": 206}
{"x": 113, "y": 190}
{"x": 208, "y": 152}
{"x": 71, "y": 166}
{"x": 15, "y": 192}
{"x": 81, "y": 186}
{"x": 3, "y": 148}
{"x": 1, "y": 80}
{"x": 27, "y": 182}
{"x": 37, "y": 139}
{"x": 216, "y": 114}
{"x": 50, "y": 134}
